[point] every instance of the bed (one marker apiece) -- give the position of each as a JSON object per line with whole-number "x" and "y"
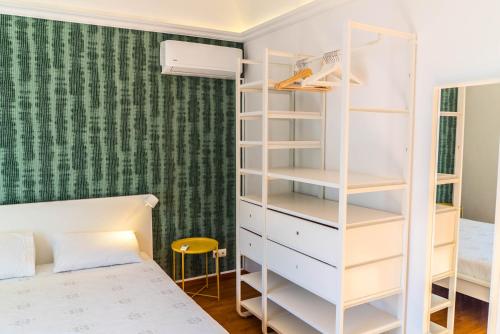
{"x": 134, "y": 298}
{"x": 475, "y": 258}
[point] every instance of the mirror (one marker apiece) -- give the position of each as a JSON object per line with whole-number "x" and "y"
{"x": 466, "y": 217}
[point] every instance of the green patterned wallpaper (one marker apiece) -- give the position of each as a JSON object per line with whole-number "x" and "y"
{"x": 85, "y": 112}
{"x": 446, "y": 149}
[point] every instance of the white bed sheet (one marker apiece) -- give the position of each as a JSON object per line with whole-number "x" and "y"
{"x": 475, "y": 251}
{"x": 125, "y": 299}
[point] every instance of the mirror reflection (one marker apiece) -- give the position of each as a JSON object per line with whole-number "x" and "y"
{"x": 465, "y": 214}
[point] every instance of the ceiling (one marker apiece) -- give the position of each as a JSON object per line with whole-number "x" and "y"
{"x": 234, "y": 16}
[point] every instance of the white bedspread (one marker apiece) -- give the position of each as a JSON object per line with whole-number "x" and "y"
{"x": 127, "y": 299}
{"x": 475, "y": 250}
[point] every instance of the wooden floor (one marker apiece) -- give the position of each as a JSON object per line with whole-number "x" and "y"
{"x": 471, "y": 315}
{"x": 224, "y": 311}
{"x": 470, "y": 318}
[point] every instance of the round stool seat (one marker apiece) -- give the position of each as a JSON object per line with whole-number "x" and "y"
{"x": 196, "y": 245}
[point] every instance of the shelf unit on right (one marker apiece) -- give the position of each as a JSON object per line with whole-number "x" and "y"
{"x": 326, "y": 266}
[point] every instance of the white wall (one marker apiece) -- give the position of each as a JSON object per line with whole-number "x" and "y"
{"x": 458, "y": 41}
{"x": 482, "y": 134}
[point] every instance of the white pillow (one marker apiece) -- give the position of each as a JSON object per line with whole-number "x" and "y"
{"x": 17, "y": 255}
{"x": 74, "y": 251}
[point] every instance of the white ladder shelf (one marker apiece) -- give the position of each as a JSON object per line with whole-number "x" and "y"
{"x": 331, "y": 299}
{"x": 446, "y": 225}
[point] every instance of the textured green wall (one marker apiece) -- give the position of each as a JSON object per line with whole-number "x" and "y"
{"x": 446, "y": 149}
{"x": 84, "y": 112}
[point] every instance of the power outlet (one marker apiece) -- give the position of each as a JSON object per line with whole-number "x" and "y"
{"x": 222, "y": 253}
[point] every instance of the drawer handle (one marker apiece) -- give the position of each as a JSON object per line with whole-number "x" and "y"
{"x": 296, "y": 266}
{"x": 250, "y": 244}
{"x": 250, "y": 215}
{"x": 297, "y": 232}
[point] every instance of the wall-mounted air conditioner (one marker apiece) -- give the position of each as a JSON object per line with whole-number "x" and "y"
{"x": 199, "y": 60}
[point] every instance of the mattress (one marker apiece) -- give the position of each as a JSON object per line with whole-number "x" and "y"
{"x": 475, "y": 251}
{"x": 126, "y": 299}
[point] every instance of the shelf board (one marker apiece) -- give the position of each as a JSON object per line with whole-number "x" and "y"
{"x": 251, "y": 115}
{"x": 441, "y": 276}
{"x": 437, "y": 329}
{"x": 326, "y": 211}
{"x": 251, "y": 61}
{"x": 320, "y": 314}
{"x": 379, "y": 110}
{"x": 248, "y": 171}
{"x": 250, "y": 143}
{"x": 254, "y": 199}
{"x": 254, "y": 306}
{"x": 447, "y": 179}
{"x": 287, "y": 323}
{"x": 438, "y": 303}
{"x": 277, "y": 318}
{"x": 258, "y": 85}
{"x": 442, "y": 208}
{"x": 293, "y": 144}
{"x": 274, "y": 114}
{"x": 450, "y": 114}
{"x": 369, "y": 319}
{"x": 312, "y": 309}
{"x": 358, "y": 182}
{"x": 255, "y": 280}
{"x": 281, "y": 114}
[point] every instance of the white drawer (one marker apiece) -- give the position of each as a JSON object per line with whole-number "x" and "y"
{"x": 304, "y": 236}
{"x": 442, "y": 259}
{"x": 373, "y": 242}
{"x": 313, "y": 275}
{"x": 251, "y": 217}
{"x": 371, "y": 279}
{"x": 251, "y": 245}
{"x": 444, "y": 227}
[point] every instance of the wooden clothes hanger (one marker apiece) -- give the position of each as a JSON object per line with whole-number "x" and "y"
{"x": 328, "y": 76}
{"x": 293, "y": 82}
{"x": 300, "y": 75}
{"x": 329, "y": 69}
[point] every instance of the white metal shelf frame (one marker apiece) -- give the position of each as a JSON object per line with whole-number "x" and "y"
{"x": 344, "y": 189}
{"x": 264, "y": 87}
{"x": 456, "y": 180}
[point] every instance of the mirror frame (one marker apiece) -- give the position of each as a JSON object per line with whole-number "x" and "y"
{"x": 493, "y": 308}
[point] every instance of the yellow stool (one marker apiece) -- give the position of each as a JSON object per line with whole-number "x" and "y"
{"x": 198, "y": 246}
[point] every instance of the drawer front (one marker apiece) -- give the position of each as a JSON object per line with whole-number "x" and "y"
{"x": 313, "y": 275}
{"x": 251, "y": 245}
{"x": 442, "y": 259}
{"x": 370, "y": 279}
{"x": 444, "y": 228}
{"x": 374, "y": 242}
{"x": 307, "y": 237}
{"x": 251, "y": 217}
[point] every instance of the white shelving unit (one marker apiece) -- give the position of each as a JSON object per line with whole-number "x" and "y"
{"x": 327, "y": 266}
{"x": 446, "y": 227}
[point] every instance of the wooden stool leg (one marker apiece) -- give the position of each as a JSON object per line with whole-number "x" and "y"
{"x": 182, "y": 270}
{"x": 217, "y": 272}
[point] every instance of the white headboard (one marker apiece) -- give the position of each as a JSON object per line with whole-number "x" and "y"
{"x": 86, "y": 215}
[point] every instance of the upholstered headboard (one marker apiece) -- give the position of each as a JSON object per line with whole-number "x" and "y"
{"x": 87, "y": 215}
